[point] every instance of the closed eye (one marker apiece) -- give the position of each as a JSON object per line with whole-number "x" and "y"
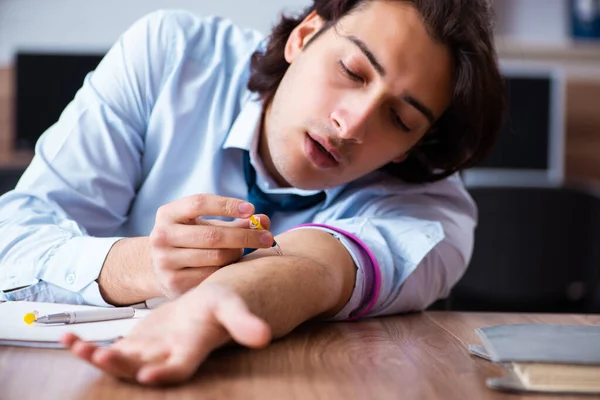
{"x": 349, "y": 73}
{"x": 398, "y": 122}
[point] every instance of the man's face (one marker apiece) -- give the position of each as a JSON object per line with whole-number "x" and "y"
{"x": 358, "y": 97}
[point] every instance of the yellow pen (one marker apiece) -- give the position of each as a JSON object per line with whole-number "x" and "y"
{"x": 255, "y": 224}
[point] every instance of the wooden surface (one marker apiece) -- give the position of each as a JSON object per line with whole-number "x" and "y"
{"x": 6, "y": 112}
{"x": 582, "y": 142}
{"x": 9, "y": 157}
{"x": 573, "y": 52}
{"x": 418, "y": 356}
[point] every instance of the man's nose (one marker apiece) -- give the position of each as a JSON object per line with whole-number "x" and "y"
{"x": 351, "y": 121}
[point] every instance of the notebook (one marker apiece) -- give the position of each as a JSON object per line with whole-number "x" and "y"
{"x": 543, "y": 358}
{"x": 15, "y": 332}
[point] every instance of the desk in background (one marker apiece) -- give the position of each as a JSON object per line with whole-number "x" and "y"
{"x": 417, "y": 356}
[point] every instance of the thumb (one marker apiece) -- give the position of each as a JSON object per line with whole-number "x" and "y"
{"x": 244, "y": 327}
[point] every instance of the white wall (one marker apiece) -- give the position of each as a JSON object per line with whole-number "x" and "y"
{"x": 94, "y": 25}
{"x": 533, "y": 21}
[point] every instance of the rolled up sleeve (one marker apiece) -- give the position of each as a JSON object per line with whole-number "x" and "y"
{"x": 409, "y": 250}
{"x": 391, "y": 251}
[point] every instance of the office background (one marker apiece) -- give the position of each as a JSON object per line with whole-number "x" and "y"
{"x": 536, "y": 243}
{"x": 86, "y": 25}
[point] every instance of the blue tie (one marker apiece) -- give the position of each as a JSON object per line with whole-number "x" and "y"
{"x": 264, "y": 205}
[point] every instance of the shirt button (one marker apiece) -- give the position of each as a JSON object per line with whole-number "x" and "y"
{"x": 71, "y": 279}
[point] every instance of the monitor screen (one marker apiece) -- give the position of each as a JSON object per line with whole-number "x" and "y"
{"x": 529, "y": 150}
{"x": 523, "y": 141}
{"x": 45, "y": 84}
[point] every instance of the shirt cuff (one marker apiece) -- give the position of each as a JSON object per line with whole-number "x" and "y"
{"x": 75, "y": 266}
{"x": 367, "y": 278}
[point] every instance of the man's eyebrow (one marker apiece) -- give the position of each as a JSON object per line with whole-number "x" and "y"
{"x": 368, "y": 53}
{"x": 426, "y": 111}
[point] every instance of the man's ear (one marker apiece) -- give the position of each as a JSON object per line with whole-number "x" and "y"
{"x": 301, "y": 35}
{"x": 401, "y": 158}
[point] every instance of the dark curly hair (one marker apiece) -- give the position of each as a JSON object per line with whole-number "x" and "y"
{"x": 465, "y": 133}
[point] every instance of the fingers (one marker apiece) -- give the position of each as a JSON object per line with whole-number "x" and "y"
{"x": 117, "y": 364}
{"x": 186, "y": 353}
{"x": 78, "y": 347}
{"x": 210, "y": 237}
{"x": 265, "y": 221}
{"x": 188, "y": 208}
{"x": 68, "y": 339}
{"x": 243, "y": 223}
{"x": 198, "y": 257}
{"x": 144, "y": 349}
{"x": 243, "y": 326}
{"x": 231, "y": 313}
{"x": 150, "y": 366}
{"x": 108, "y": 360}
{"x": 177, "y": 368}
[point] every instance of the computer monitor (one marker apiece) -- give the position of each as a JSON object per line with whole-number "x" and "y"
{"x": 530, "y": 149}
{"x": 45, "y": 84}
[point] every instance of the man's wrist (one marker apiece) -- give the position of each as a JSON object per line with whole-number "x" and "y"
{"x": 127, "y": 276}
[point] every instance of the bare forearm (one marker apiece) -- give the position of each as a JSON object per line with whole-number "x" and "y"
{"x": 260, "y": 297}
{"x": 126, "y": 276}
{"x": 288, "y": 290}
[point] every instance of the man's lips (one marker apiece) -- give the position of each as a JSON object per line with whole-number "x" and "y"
{"x": 317, "y": 155}
{"x": 331, "y": 149}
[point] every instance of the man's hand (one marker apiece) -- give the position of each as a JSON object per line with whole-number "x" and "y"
{"x": 186, "y": 249}
{"x": 182, "y": 250}
{"x": 172, "y": 341}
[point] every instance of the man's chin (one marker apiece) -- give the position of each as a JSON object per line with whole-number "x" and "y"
{"x": 300, "y": 181}
{"x": 309, "y": 183}
{"x": 305, "y": 177}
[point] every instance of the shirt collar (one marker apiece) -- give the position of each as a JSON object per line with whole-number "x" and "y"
{"x": 244, "y": 135}
{"x": 246, "y": 125}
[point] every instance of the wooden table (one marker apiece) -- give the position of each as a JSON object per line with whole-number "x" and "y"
{"x": 417, "y": 356}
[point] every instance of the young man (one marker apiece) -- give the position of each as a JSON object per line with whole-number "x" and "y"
{"x": 353, "y": 119}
